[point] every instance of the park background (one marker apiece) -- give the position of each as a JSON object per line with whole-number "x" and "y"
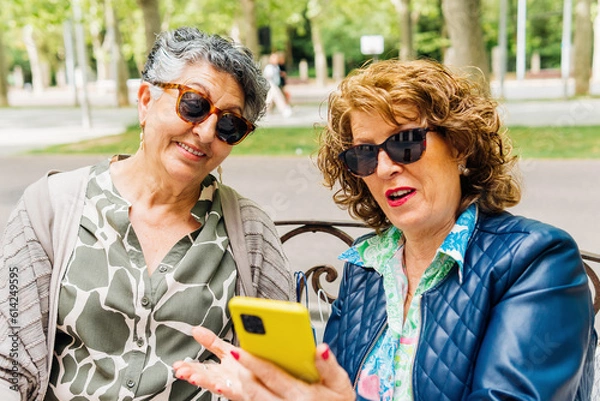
{"x": 69, "y": 71}
{"x": 61, "y": 43}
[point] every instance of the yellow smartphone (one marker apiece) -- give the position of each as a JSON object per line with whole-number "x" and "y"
{"x": 279, "y": 331}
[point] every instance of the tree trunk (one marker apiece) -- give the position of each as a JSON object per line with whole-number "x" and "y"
{"x": 596, "y": 63}
{"x": 118, "y": 61}
{"x": 320, "y": 58}
{"x": 151, "y": 12}
{"x": 405, "y": 23}
{"x": 37, "y": 70}
{"x": 249, "y": 29}
{"x": 100, "y": 39}
{"x": 313, "y": 14}
{"x": 289, "y": 57}
{"x": 582, "y": 47}
{"x": 463, "y": 21}
{"x": 3, "y": 72}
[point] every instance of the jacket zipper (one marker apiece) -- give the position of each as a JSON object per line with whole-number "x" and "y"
{"x": 383, "y": 327}
{"x": 423, "y": 323}
{"x": 364, "y": 358}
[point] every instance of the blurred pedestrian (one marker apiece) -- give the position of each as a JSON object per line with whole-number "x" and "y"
{"x": 283, "y": 76}
{"x": 275, "y": 97}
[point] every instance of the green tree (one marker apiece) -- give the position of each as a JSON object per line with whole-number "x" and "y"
{"x": 311, "y": 29}
{"x": 152, "y": 22}
{"x": 431, "y": 38}
{"x": 119, "y": 63}
{"x": 3, "y": 69}
{"x": 583, "y": 45}
{"x": 544, "y": 32}
{"x": 250, "y": 29}
{"x": 346, "y": 25}
{"x": 403, "y": 8}
{"x": 463, "y": 21}
{"x": 316, "y": 14}
{"x": 40, "y": 23}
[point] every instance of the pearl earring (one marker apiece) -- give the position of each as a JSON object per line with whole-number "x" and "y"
{"x": 463, "y": 170}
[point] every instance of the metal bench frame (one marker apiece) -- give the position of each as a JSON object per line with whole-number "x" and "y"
{"x": 593, "y": 258}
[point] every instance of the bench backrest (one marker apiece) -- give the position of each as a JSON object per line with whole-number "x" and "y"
{"x": 315, "y": 275}
{"x": 591, "y": 261}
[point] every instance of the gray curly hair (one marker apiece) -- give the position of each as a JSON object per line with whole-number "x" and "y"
{"x": 176, "y": 49}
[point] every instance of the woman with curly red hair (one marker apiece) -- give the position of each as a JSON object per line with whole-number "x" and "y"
{"x": 451, "y": 297}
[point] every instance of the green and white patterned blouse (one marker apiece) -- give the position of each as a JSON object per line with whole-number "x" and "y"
{"x": 119, "y": 328}
{"x": 387, "y": 371}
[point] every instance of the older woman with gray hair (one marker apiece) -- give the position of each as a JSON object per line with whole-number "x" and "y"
{"x": 111, "y": 266}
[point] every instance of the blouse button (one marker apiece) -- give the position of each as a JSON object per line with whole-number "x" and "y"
{"x": 130, "y": 383}
{"x": 145, "y": 301}
{"x": 140, "y": 342}
{"x": 162, "y": 268}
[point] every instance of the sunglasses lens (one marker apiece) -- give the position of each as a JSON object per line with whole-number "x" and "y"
{"x": 407, "y": 153}
{"x": 231, "y": 128}
{"x": 404, "y": 152}
{"x": 193, "y": 107}
{"x": 404, "y": 147}
{"x": 361, "y": 160}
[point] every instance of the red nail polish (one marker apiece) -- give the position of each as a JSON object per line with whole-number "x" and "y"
{"x": 325, "y": 354}
{"x": 235, "y": 354}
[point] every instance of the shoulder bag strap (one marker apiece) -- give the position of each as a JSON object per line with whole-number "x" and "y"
{"x": 237, "y": 239}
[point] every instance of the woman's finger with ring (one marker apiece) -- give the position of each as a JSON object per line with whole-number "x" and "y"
{"x": 185, "y": 370}
{"x": 215, "y": 378}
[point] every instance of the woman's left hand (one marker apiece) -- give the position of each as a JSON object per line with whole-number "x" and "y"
{"x": 241, "y": 376}
{"x": 219, "y": 378}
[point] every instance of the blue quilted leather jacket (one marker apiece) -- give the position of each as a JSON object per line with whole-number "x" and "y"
{"x": 518, "y": 327}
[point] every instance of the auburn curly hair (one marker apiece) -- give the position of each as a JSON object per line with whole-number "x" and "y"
{"x": 450, "y": 103}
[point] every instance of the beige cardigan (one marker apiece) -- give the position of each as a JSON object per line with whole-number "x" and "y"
{"x": 55, "y": 203}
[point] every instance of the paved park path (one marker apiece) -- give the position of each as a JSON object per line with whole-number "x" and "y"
{"x": 565, "y": 193}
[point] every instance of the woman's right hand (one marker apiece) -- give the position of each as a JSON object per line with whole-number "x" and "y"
{"x": 272, "y": 383}
{"x": 254, "y": 379}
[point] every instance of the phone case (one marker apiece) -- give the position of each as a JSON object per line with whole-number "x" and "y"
{"x": 279, "y": 331}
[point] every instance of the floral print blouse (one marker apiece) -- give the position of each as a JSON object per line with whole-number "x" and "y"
{"x": 387, "y": 370}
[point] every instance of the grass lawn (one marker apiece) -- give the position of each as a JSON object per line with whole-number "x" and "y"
{"x": 264, "y": 141}
{"x": 529, "y": 142}
{"x": 557, "y": 142}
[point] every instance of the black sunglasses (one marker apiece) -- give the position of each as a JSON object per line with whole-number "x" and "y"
{"x": 194, "y": 107}
{"x": 404, "y": 147}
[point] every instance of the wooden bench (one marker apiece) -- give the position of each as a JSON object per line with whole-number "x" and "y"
{"x": 317, "y": 276}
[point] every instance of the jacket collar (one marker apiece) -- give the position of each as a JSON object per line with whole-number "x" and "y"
{"x": 376, "y": 251}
